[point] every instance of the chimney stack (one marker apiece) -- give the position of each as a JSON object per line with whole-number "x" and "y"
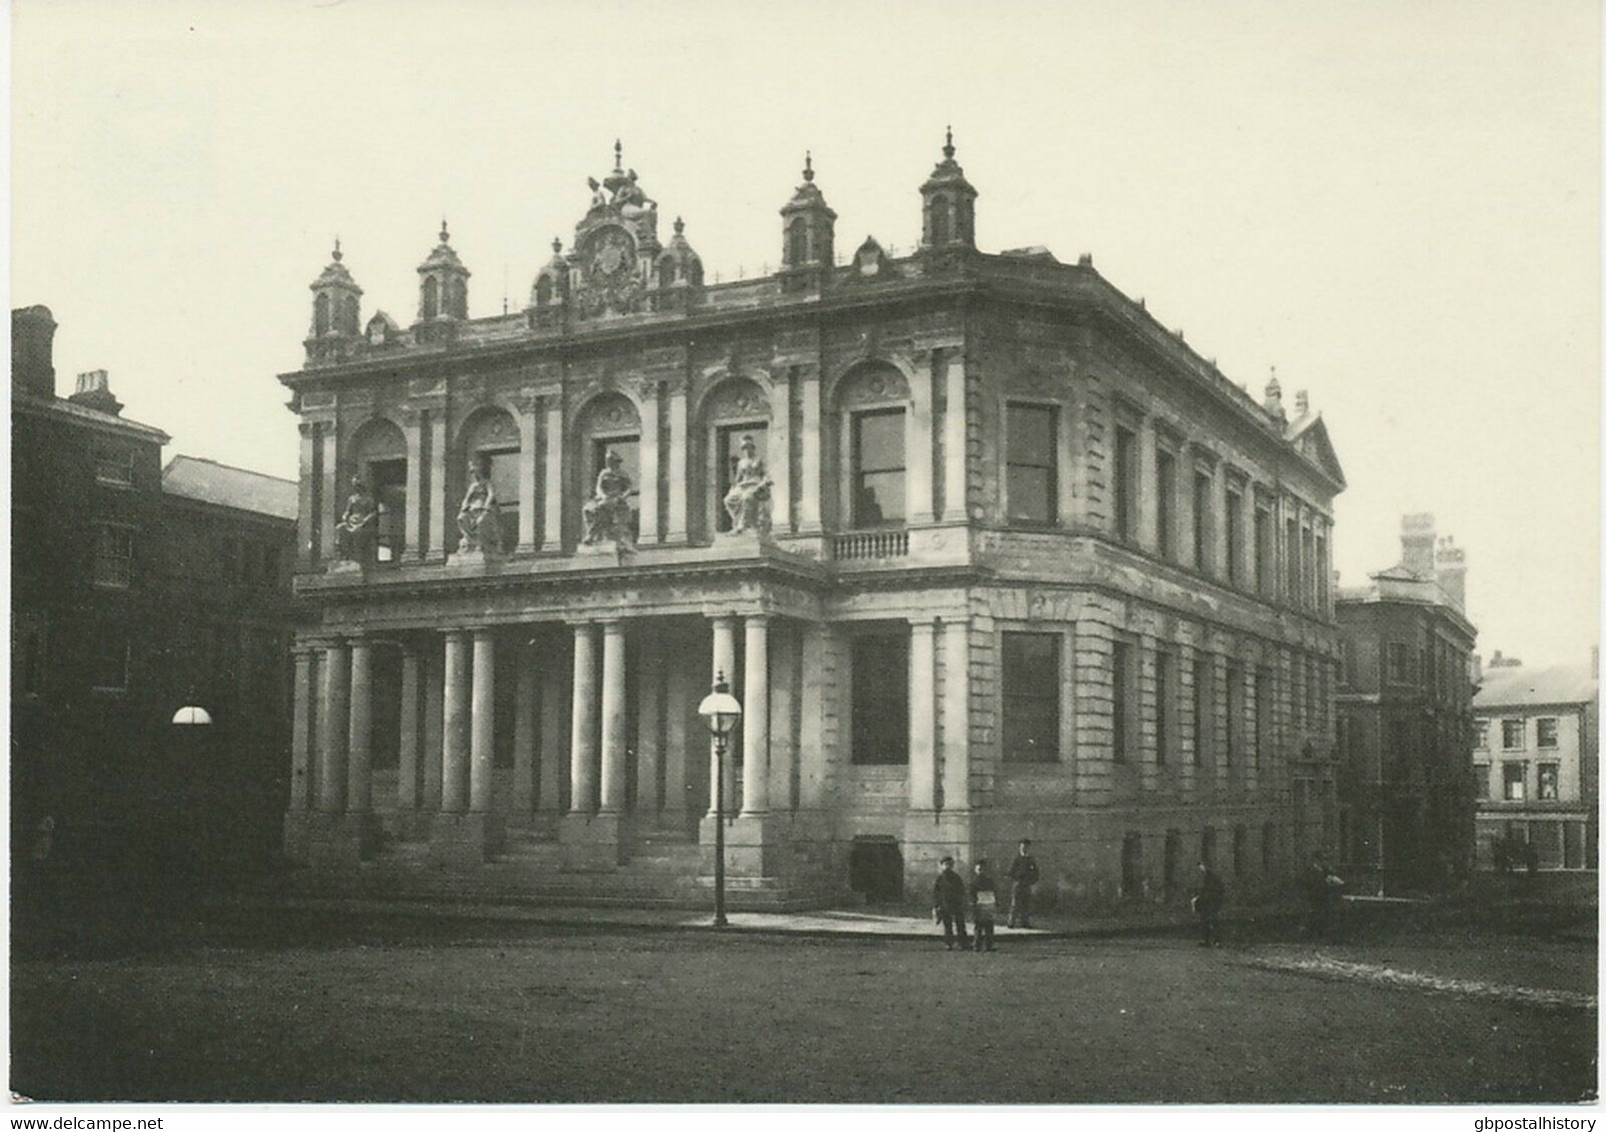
{"x": 94, "y": 392}
{"x": 33, "y": 333}
{"x": 1416, "y": 543}
{"x": 1450, "y": 570}
{"x": 1302, "y": 403}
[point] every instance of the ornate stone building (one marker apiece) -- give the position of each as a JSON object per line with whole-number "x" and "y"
{"x": 983, "y": 549}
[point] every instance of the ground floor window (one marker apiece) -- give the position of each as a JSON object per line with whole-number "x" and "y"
{"x": 880, "y": 705}
{"x": 1031, "y": 697}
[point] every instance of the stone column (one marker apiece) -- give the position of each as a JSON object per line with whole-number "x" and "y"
{"x": 310, "y": 506}
{"x": 414, "y": 533}
{"x": 301, "y": 739}
{"x": 811, "y": 718}
{"x": 552, "y": 521}
{"x": 359, "y": 748}
{"x": 724, "y": 667}
{"x": 553, "y": 712}
{"x": 529, "y": 472}
{"x": 679, "y": 456}
{"x": 482, "y": 722}
{"x": 437, "y": 484}
{"x": 783, "y": 737}
{"x": 454, "y": 756}
{"x": 649, "y": 724}
{"x": 808, "y": 505}
{"x": 407, "y": 760}
{"x": 956, "y": 717}
{"x": 433, "y": 675}
{"x": 527, "y": 689}
{"x": 613, "y": 717}
{"x": 756, "y": 718}
{"x": 583, "y": 729}
{"x": 681, "y": 698}
{"x": 331, "y": 495}
{"x": 922, "y": 716}
{"x": 917, "y": 442}
{"x": 334, "y": 711}
{"x": 779, "y": 456}
{"x": 956, "y": 441}
{"x": 648, "y": 499}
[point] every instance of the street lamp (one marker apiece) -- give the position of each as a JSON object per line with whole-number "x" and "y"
{"x": 190, "y": 716}
{"x": 720, "y": 711}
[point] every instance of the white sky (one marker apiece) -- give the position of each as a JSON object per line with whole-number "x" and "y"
{"x": 1397, "y": 204}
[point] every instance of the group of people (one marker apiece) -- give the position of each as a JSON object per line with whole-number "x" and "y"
{"x": 952, "y": 899}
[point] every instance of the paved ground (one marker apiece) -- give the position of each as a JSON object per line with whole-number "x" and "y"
{"x": 311, "y": 1004}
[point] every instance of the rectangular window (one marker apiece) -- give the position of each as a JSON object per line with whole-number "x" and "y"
{"x": 1031, "y": 697}
{"x": 1515, "y": 775}
{"x": 1032, "y": 484}
{"x": 881, "y": 699}
{"x": 1313, "y": 693}
{"x": 1265, "y": 581}
{"x": 728, "y": 456}
{"x": 1324, "y": 576}
{"x": 1549, "y": 782}
{"x": 1262, "y": 715}
{"x": 1547, "y": 732}
{"x": 1480, "y": 734}
{"x": 1511, "y": 737}
{"x": 1296, "y": 692}
{"x": 109, "y": 660}
{"x": 1165, "y": 667}
{"x": 1203, "y": 702}
{"x": 1398, "y": 658}
{"x": 1480, "y": 780}
{"x": 1291, "y": 561}
{"x": 1120, "y": 716}
{"x": 1165, "y": 503}
{"x": 1235, "y": 711}
{"x": 1400, "y": 754}
{"x": 1235, "y": 537}
{"x": 114, "y": 556}
{"x": 114, "y": 466}
{"x": 1202, "y": 526}
{"x": 1307, "y": 569}
{"x": 878, "y": 468}
{"x": 1124, "y": 489}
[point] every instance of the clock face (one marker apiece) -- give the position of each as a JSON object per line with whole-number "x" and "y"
{"x": 612, "y": 254}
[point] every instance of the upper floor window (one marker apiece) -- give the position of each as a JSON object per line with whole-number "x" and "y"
{"x": 1235, "y": 711}
{"x": 1515, "y": 776}
{"x": 1031, "y": 696}
{"x": 1123, "y": 490}
{"x": 1235, "y": 536}
{"x": 1201, "y": 522}
{"x": 1480, "y": 734}
{"x": 1120, "y": 698}
{"x": 1511, "y": 734}
{"x": 114, "y": 466}
{"x": 1203, "y": 707}
{"x": 1549, "y": 782}
{"x": 1480, "y": 780}
{"x": 1165, "y": 687}
{"x": 1399, "y": 662}
{"x": 728, "y": 441}
{"x": 109, "y": 660}
{"x": 1032, "y": 483}
{"x": 878, "y": 468}
{"x": 1165, "y": 503}
{"x": 1264, "y": 552}
{"x": 1547, "y": 726}
{"x": 114, "y": 556}
{"x": 1291, "y": 561}
{"x": 1262, "y": 715}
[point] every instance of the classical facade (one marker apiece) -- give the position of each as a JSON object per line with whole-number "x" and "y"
{"x": 137, "y": 590}
{"x": 983, "y": 549}
{"x": 1537, "y": 766}
{"x": 1404, "y": 706}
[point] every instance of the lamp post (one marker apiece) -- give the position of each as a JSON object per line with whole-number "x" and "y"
{"x": 720, "y": 711}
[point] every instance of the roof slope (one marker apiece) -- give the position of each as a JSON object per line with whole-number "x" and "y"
{"x": 207, "y": 481}
{"x": 1521, "y": 686}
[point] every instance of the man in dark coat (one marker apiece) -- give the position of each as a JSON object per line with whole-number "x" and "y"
{"x": 1022, "y": 876}
{"x": 948, "y": 905}
{"x": 1207, "y": 902}
{"x": 1323, "y": 891}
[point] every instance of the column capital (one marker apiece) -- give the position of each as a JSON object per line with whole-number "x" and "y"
{"x": 762, "y": 617}
{"x": 611, "y": 624}
{"x": 456, "y": 631}
{"x": 923, "y": 621}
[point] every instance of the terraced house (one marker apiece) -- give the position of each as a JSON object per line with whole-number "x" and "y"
{"x": 982, "y": 548}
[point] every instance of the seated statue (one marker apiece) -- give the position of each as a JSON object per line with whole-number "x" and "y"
{"x": 357, "y": 532}
{"x": 608, "y": 515}
{"x": 748, "y": 500}
{"x": 478, "y": 520}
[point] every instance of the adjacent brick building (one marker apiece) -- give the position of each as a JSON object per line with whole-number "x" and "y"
{"x": 1028, "y": 565}
{"x": 1404, "y": 720}
{"x": 129, "y": 601}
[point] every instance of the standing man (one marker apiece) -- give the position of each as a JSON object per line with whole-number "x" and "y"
{"x": 1207, "y": 904}
{"x": 1022, "y": 876}
{"x": 948, "y": 905}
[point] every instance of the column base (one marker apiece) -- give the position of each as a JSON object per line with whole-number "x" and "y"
{"x": 460, "y": 841}
{"x": 341, "y": 841}
{"x": 591, "y": 842}
{"x": 928, "y": 837}
{"x": 753, "y": 844}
